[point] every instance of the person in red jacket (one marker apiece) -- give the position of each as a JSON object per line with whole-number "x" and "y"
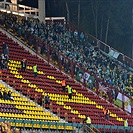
{"x": 106, "y": 113}
{"x": 63, "y": 85}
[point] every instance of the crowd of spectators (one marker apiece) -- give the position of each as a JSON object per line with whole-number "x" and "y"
{"x": 74, "y": 45}
{"x": 5, "y": 127}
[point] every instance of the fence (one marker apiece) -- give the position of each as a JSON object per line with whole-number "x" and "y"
{"x": 73, "y": 127}
{"x": 41, "y": 125}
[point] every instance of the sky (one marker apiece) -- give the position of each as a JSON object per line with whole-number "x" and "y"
{"x": 51, "y": 10}
{"x": 32, "y": 3}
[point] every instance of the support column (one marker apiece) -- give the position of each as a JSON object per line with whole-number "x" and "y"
{"x": 13, "y": 8}
{"x": 132, "y": 35}
{"x": 41, "y": 4}
{"x": 14, "y": 1}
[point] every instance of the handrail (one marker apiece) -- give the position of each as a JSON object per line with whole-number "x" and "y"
{"x": 97, "y": 131}
{"x": 41, "y": 123}
{"x": 89, "y": 129}
{"x": 77, "y": 125}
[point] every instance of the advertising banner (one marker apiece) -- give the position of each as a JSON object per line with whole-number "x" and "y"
{"x": 118, "y": 101}
{"x": 113, "y": 53}
{"x": 127, "y": 104}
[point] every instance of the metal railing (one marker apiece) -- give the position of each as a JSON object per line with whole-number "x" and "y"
{"x": 19, "y": 9}
{"x": 111, "y": 129}
{"x": 73, "y": 127}
{"x": 26, "y": 11}
{"x": 95, "y": 129}
{"x": 41, "y": 125}
{"x": 90, "y": 129}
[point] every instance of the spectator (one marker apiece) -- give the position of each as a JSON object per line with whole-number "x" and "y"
{"x": 34, "y": 131}
{"x": 35, "y": 70}
{"x": 16, "y": 130}
{"x": 9, "y": 130}
{"x": 69, "y": 91}
{"x": 82, "y": 36}
{"x": 6, "y": 95}
{"x": 5, "y": 49}
{"x": 5, "y": 127}
{"x": 6, "y": 58}
{"x": 91, "y": 82}
{"x": 87, "y": 120}
{"x": 63, "y": 85}
{"x": 23, "y": 64}
{"x": 10, "y": 95}
{"x": 75, "y": 33}
{"x": 47, "y": 100}
{"x": 3, "y": 63}
{"x": 42, "y": 101}
{"x": 126, "y": 125}
{"x": 1, "y": 95}
{"x": 106, "y": 113}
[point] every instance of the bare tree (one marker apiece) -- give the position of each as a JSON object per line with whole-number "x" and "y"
{"x": 107, "y": 26}
{"x": 94, "y": 5}
{"x": 79, "y": 4}
{"x": 101, "y": 29}
{"x": 67, "y": 10}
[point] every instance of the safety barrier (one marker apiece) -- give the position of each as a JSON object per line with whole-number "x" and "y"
{"x": 118, "y": 129}
{"x": 41, "y": 125}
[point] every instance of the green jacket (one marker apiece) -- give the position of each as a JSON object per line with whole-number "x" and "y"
{"x": 125, "y": 123}
{"x": 69, "y": 90}
{"x": 88, "y": 121}
{"x": 35, "y": 68}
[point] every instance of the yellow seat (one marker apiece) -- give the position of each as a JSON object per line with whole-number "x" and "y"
{"x": 45, "y": 126}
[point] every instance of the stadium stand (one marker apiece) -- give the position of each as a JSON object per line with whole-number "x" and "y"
{"x": 75, "y": 46}
{"x": 48, "y": 82}
{"x": 20, "y": 108}
{"x": 25, "y": 112}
